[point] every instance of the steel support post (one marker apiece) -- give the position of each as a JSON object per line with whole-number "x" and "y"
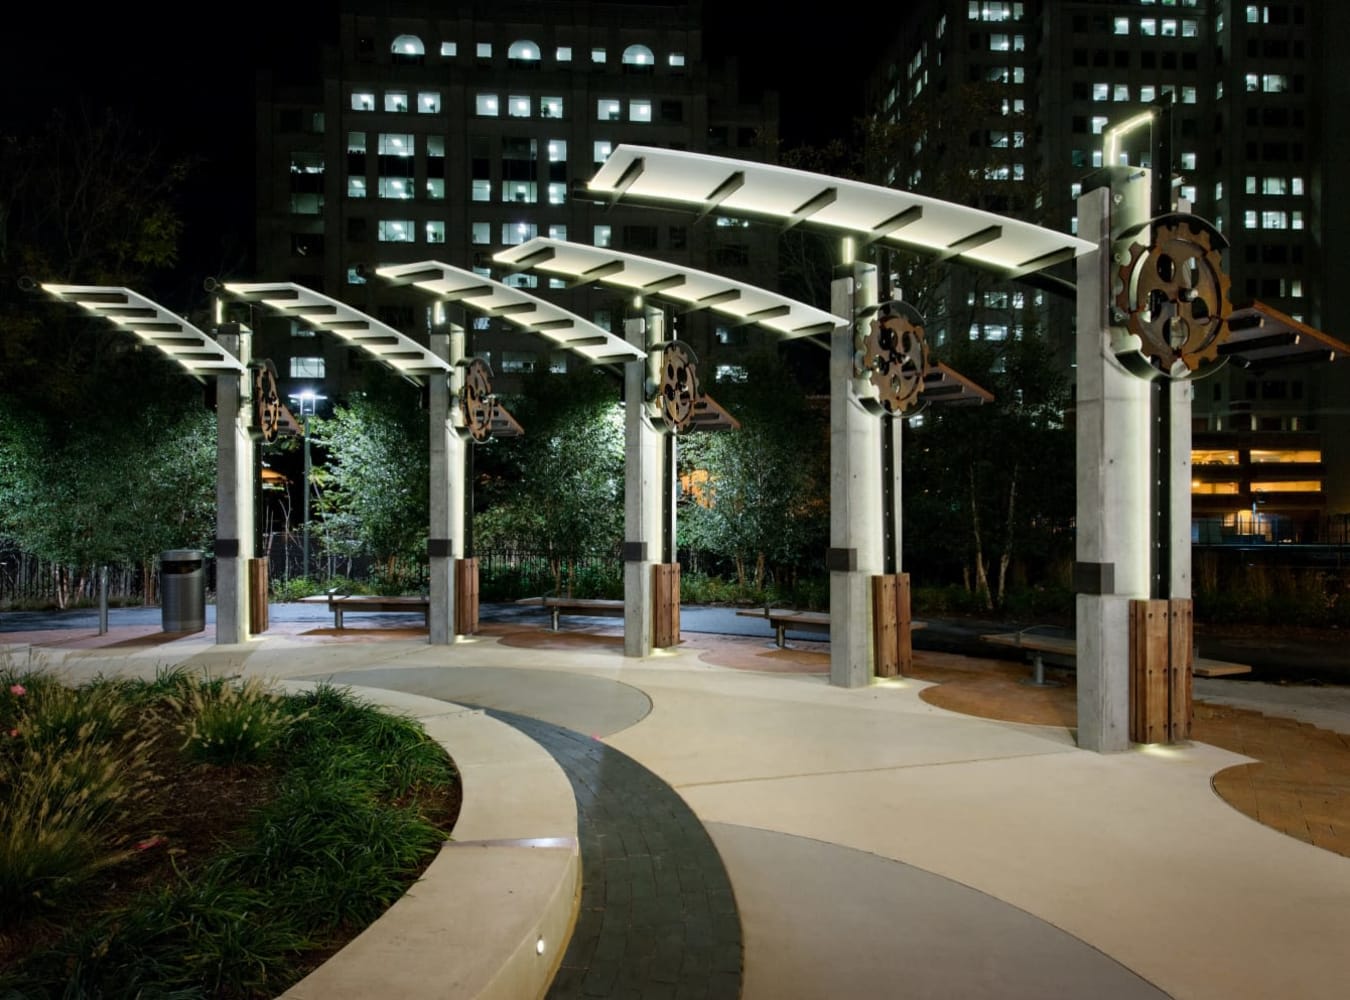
{"x": 445, "y": 540}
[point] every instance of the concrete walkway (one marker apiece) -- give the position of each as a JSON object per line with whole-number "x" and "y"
{"x": 879, "y": 846}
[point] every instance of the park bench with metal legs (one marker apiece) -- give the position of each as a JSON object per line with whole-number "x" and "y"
{"x": 1062, "y": 650}
{"x": 589, "y": 606}
{"x": 783, "y": 619}
{"x": 341, "y": 604}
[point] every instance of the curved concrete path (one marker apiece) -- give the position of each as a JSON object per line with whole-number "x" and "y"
{"x": 850, "y": 821}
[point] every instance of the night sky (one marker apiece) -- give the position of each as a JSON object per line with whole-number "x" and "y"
{"x": 191, "y": 83}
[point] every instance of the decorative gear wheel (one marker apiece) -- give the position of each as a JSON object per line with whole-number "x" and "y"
{"x": 476, "y": 402}
{"x": 895, "y": 352}
{"x": 679, "y": 386}
{"x": 1174, "y": 295}
{"x": 266, "y": 401}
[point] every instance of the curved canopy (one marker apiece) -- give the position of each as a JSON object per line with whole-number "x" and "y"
{"x": 926, "y": 225}
{"x": 171, "y": 334}
{"x": 696, "y": 289}
{"x": 403, "y": 354}
{"x": 564, "y": 328}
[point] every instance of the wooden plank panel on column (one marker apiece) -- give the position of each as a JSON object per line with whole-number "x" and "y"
{"x": 1149, "y": 649}
{"x": 466, "y": 596}
{"x": 1181, "y": 660}
{"x": 885, "y": 637}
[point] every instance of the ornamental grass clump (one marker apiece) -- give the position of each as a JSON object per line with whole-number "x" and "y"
{"x": 227, "y": 723}
{"x": 71, "y": 773}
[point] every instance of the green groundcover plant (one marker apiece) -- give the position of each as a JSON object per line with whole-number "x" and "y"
{"x": 201, "y": 837}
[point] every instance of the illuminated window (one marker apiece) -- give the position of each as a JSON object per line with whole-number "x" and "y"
{"x": 436, "y": 188}
{"x": 602, "y": 236}
{"x": 521, "y": 192}
{"x": 564, "y": 53}
{"x": 1122, "y": 26}
{"x": 1274, "y": 185}
{"x": 363, "y": 101}
{"x": 1214, "y": 456}
{"x": 396, "y": 144}
{"x": 435, "y": 232}
{"x": 557, "y": 193}
{"x": 429, "y": 102}
{"x": 1296, "y": 185}
{"x": 481, "y": 191}
{"x": 1101, "y": 91}
{"x": 602, "y": 151}
{"x": 307, "y": 367}
{"x": 1188, "y": 95}
{"x": 1098, "y": 124}
{"x": 1296, "y": 219}
{"x": 449, "y": 50}
{"x": 1148, "y": 93}
{"x": 1226, "y": 488}
{"x": 677, "y": 59}
{"x": 608, "y": 110}
{"x": 484, "y": 50}
{"x": 356, "y": 187}
{"x": 550, "y": 107}
{"x": 525, "y": 51}
{"x": 1263, "y": 456}
{"x": 480, "y": 233}
{"x": 1120, "y": 92}
{"x": 639, "y": 111}
{"x": 518, "y": 106}
{"x": 557, "y": 151}
{"x": 1148, "y": 27}
{"x": 1169, "y": 28}
{"x": 354, "y": 277}
{"x": 1274, "y": 83}
{"x": 516, "y": 233}
{"x": 1190, "y": 28}
{"x": 1274, "y": 220}
{"x": 1289, "y": 486}
{"x": 396, "y": 187}
{"x": 486, "y": 105}
{"x": 397, "y": 231}
{"x": 638, "y": 55}
{"x": 1187, "y": 161}
{"x": 557, "y": 232}
{"x": 396, "y": 100}
{"x": 597, "y": 56}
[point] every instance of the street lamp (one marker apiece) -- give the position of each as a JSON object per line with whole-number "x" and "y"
{"x": 305, "y": 402}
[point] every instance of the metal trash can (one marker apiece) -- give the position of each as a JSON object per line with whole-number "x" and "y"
{"x": 182, "y": 590}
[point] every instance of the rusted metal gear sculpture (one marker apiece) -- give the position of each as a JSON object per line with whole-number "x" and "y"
{"x": 266, "y": 401}
{"x": 1174, "y": 295}
{"x": 895, "y": 356}
{"x": 477, "y": 404}
{"x": 679, "y": 386}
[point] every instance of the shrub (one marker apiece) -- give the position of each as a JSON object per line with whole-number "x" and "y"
{"x": 227, "y": 723}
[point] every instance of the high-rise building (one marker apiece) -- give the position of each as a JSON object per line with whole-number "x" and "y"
{"x": 451, "y": 132}
{"x": 1257, "y": 149}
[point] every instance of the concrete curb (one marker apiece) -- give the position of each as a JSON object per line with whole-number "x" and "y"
{"x": 492, "y": 915}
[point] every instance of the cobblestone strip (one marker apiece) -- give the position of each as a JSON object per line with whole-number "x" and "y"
{"x": 658, "y": 918}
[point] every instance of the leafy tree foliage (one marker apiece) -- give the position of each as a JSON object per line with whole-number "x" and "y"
{"x": 374, "y": 487}
{"x": 559, "y": 489}
{"x": 87, "y": 493}
{"x": 760, "y": 495}
{"x": 989, "y": 490}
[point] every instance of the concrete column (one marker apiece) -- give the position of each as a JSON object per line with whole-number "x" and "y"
{"x": 643, "y": 484}
{"x": 856, "y": 552}
{"x": 234, "y": 490}
{"x": 1114, "y": 500}
{"x": 445, "y": 542}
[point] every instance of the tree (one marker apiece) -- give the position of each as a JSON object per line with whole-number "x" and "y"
{"x": 765, "y": 500}
{"x": 374, "y": 487}
{"x": 82, "y": 494}
{"x": 87, "y": 201}
{"x": 986, "y": 486}
{"x": 559, "y": 489}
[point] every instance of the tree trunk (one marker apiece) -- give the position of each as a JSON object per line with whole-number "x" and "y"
{"x": 981, "y": 573}
{"x": 1006, "y": 557}
{"x": 759, "y": 571}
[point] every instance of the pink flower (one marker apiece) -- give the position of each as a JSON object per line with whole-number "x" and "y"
{"x": 150, "y": 842}
{"x": 18, "y": 690}
{"x": 14, "y": 734}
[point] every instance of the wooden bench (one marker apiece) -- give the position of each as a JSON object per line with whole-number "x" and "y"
{"x": 783, "y": 619}
{"x": 343, "y": 603}
{"x": 598, "y": 606}
{"x": 1063, "y": 651}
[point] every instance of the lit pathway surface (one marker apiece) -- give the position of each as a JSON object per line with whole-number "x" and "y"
{"x": 881, "y": 846}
